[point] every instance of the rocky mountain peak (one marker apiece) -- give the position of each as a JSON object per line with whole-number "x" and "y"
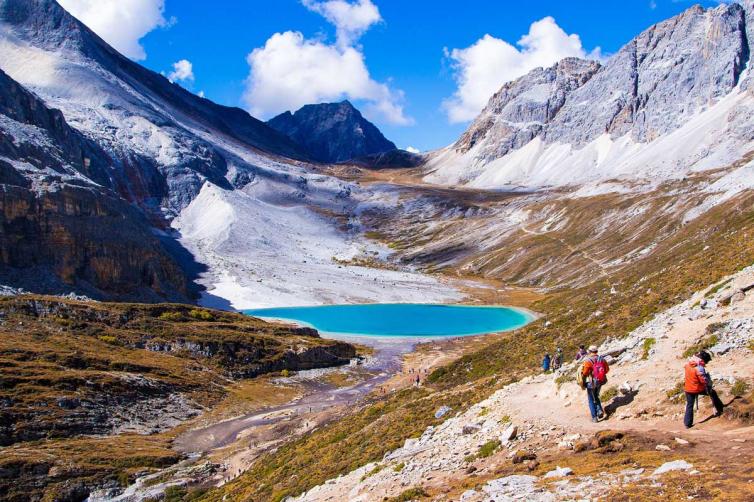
{"x": 332, "y": 132}
{"x": 668, "y": 74}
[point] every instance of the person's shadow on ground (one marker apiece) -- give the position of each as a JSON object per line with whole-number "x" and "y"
{"x": 620, "y": 400}
{"x": 714, "y": 414}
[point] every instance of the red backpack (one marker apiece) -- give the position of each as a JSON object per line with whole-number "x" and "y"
{"x": 599, "y": 371}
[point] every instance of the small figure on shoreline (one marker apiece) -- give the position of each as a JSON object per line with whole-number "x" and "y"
{"x": 698, "y": 382}
{"x": 557, "y": 359}
{"x": 546, "y": 363}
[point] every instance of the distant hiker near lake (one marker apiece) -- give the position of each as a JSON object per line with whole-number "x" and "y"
{"x": 546, "y": 363}
{"x": 557, "y": 359}
{"x": 592, "y": 376}
{"x": 698, "y": 382}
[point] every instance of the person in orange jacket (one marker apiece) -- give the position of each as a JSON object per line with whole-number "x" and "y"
{"x": 593, "y": 376}
{"x": 698, "y": 382}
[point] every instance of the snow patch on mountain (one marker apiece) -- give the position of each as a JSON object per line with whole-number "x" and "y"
{"x": 263, "y": 252}
{"x": 705, "y": 142}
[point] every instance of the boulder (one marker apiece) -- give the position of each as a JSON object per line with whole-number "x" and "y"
{"x": 442, "y": 410}
{"x": 470, "y": 429}
{"x": 675, "y": 465}
{"x": 523, "y": 455}
{"x": 559, "y": 472}
{"x": 509, "y": 434}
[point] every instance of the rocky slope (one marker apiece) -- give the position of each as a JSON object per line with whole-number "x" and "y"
{"x": 332, "y": 132}
{"x": 63, "y": 225}
{"x": 473, "y": 456}
{"x": 114, "y": 370}
{"x": 673, "y": 100}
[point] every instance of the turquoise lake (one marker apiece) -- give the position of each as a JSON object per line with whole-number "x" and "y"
{"x": 400, "y": 319}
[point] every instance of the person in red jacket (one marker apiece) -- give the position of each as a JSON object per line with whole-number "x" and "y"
{"x": 699, "y": 382}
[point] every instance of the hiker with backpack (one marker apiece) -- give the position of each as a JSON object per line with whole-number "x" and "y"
{"x": 698, "y": 382}
{"x": 546, "y": 363}
{"x": 592, "y": 376}
{"x": 557, "y": 359}
{"x": 581, "y": 354}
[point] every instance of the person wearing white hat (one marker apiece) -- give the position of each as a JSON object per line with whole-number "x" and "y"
{"x": 594, "y": 371}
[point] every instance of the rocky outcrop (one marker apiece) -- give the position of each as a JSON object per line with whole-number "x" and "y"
{"x": 655, "y": 84}
{"x": 392, "y": 159}
{"x": 522, "y": 109}
{"x": 332, "y": 132}
{"x": 104, "y": 368}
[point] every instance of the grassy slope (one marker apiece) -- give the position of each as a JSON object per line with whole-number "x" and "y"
{"x": 89, "y": 352}
{"x": 704, "y": 251}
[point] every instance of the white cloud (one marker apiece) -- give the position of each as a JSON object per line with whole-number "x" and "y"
{"x": 481, "y": 69}
{"x": 182, "y": 70}
{"x": 290, "y": 70}
{"x": 200, "y": 94}
{"x": 351, "y": 20}
{"x": 121, "y": 23}
{"x": 411, "y": 149}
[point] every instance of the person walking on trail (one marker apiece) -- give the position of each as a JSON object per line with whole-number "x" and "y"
{"x": 581, "y": 353}
{"x": 592, "y": 377}
{"x": 557, "y": 359}
{"x": 416, "y": 381}
{"x": 698, "y": 382}
{"x": 546, "y": 363}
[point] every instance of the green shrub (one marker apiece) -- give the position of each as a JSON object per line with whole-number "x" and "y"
{"x": 285, "y": 373}
{"x": 201, "y": 315}
{"x": 399, "y": 467}
{"x": 717, "y": 288}
{"x": 410, "y": 494}
{"x": 646, "y": 347}
{"x": 123, "y": 479}
{"x": 563, "y": 378}
{"x": 488, "y": 448}
{"x": 676, "y": 393}
{"x": 703, "y": 344}
{"x": 170, "y": 316}
{"x": 739, "y": 388}
{"x": 377, "y": 468}
{"x": 108, "y": 339}
{"x": 610, "y": 393}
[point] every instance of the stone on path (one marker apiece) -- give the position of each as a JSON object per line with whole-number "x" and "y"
{"x": 559, "y": 472}
{"x": 681, "y": 441}
{"x": 509, "y": 434}
{"x": 662, "y": 447}
{"x": 675, "y": 465}
{"x": 442, "y": 410}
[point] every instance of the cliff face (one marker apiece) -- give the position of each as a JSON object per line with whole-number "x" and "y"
{"x": 83, "y": 241}
{"x": 62, "y": 227}
{"x": 332, "y": 132}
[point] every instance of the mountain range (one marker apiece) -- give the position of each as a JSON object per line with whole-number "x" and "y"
{"x": 139, "y": 189}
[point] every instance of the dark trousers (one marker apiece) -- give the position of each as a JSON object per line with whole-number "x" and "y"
{"x": 688, "y": 419}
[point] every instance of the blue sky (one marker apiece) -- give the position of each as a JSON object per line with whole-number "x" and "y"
{"x": 393, "y": 58}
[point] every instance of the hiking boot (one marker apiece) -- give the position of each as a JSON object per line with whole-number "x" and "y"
{"x": 595, "y": 419}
